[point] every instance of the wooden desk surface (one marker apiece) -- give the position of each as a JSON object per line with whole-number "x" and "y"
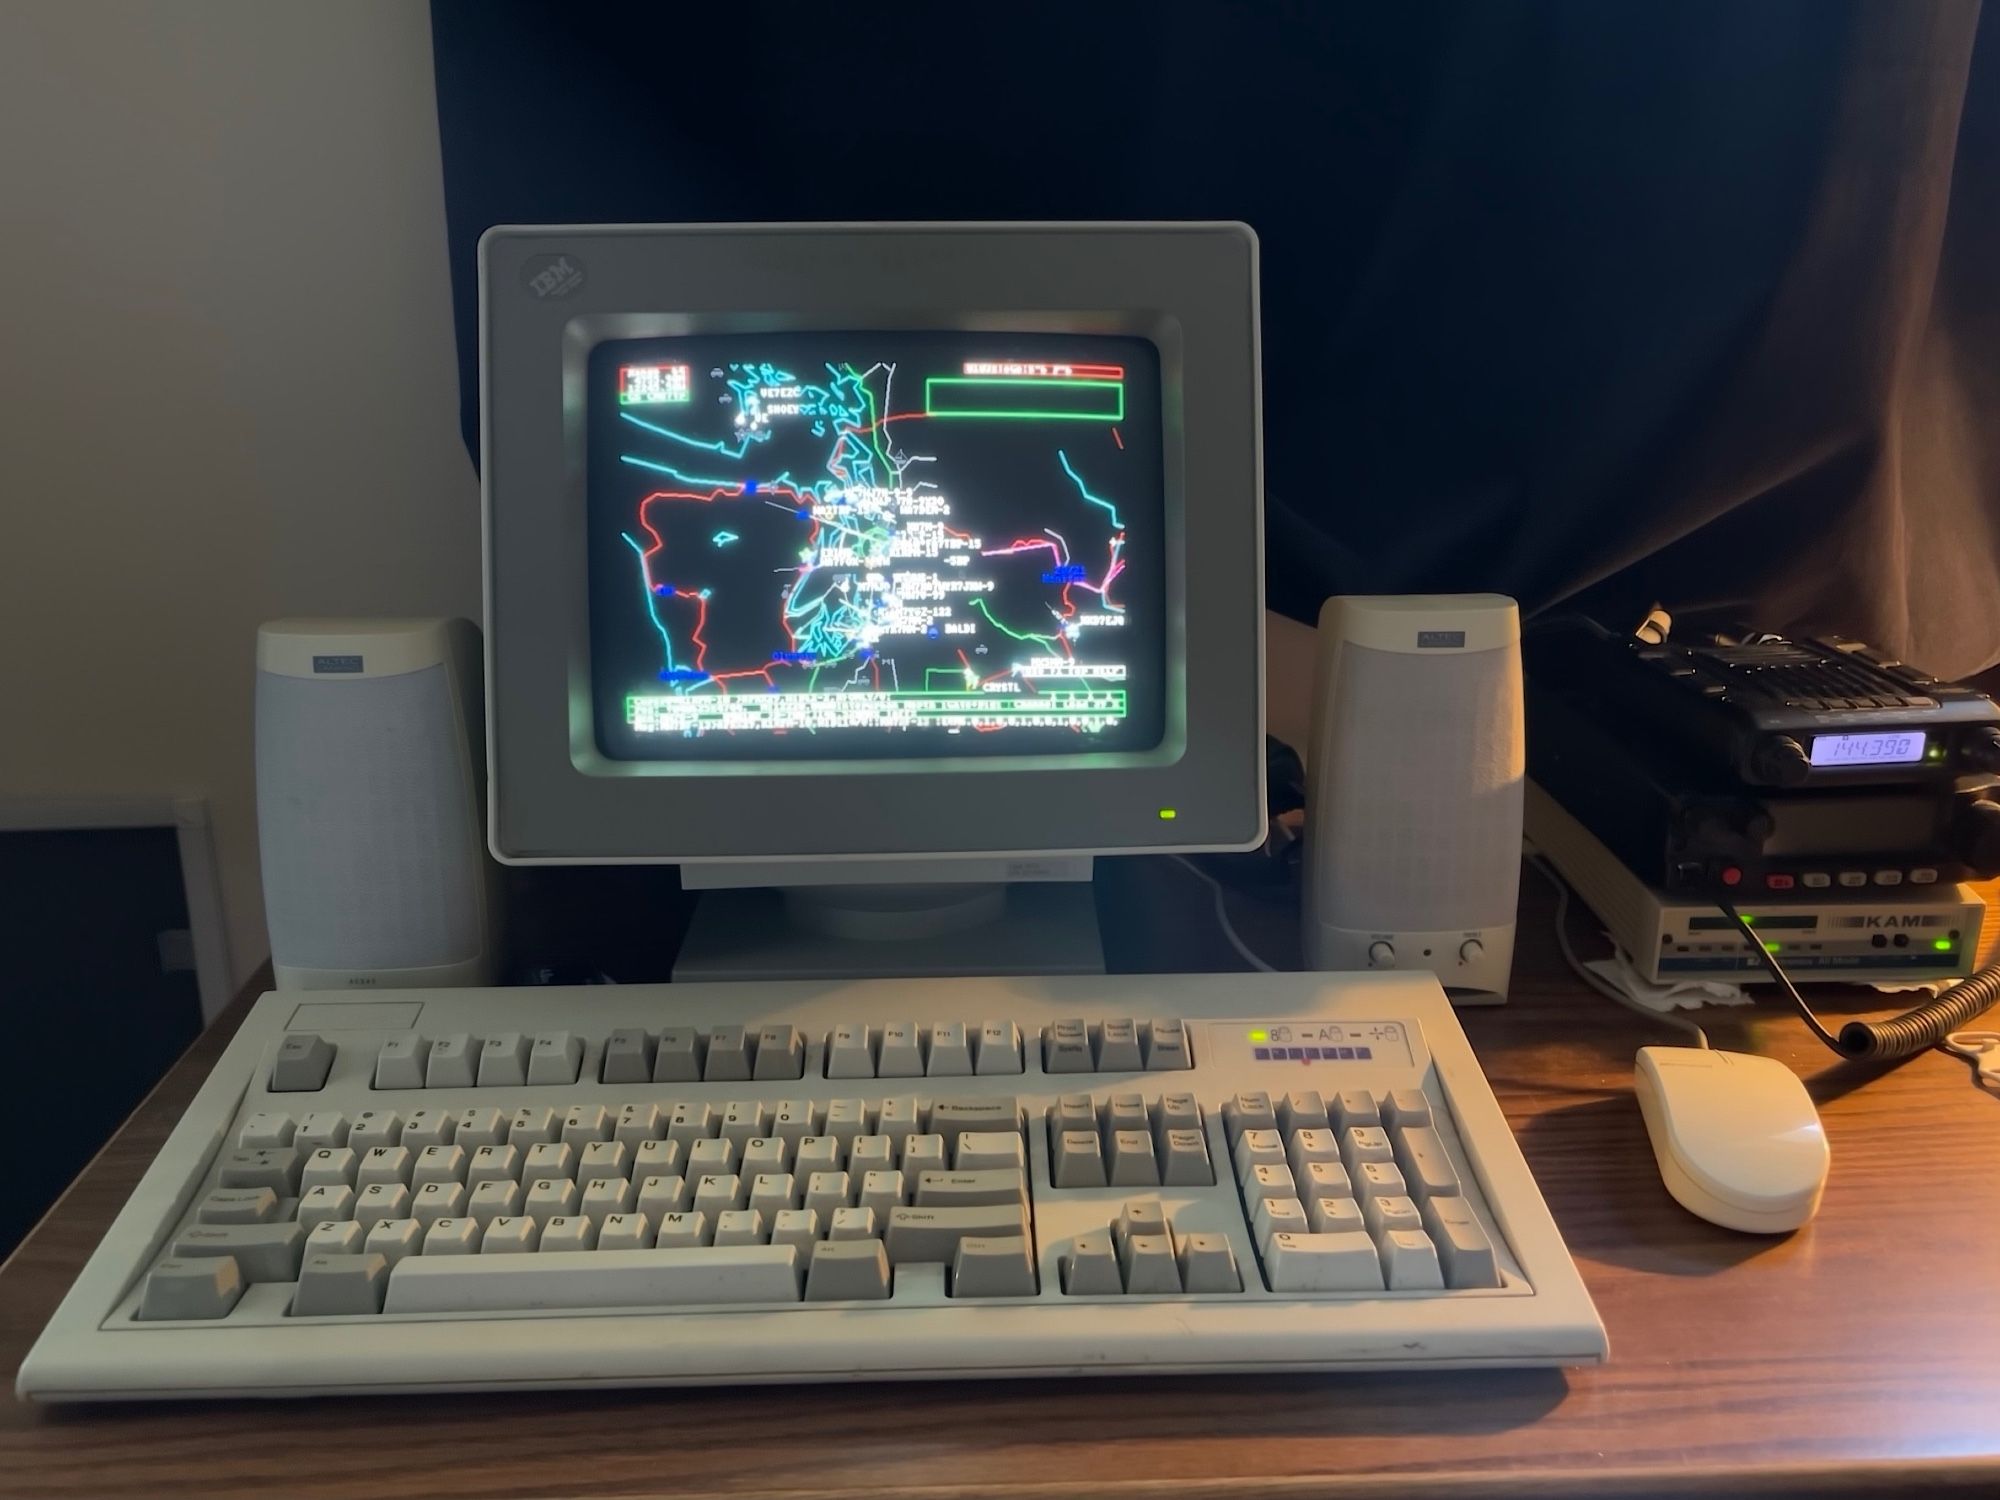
{"x": 1861, "y": 1354}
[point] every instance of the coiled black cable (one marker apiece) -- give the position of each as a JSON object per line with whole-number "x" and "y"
{"x": 1899, "y": 1036}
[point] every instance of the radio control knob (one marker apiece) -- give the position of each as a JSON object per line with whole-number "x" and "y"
{"x": 1981, "y": 752}
{"x": 1381, "y": 955}
{"x": 1976, "y": 837}
{"x": 1471, "y": 951}
{"x": 1780, "y": 761}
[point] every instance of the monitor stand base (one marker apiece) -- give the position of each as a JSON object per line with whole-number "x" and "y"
{"x": 869, "y": 932}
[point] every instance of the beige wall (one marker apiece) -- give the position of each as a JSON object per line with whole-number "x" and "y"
{"x": 227, "y": 387}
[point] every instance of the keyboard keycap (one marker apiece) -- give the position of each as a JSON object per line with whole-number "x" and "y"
{"x": 385, "y": 1200}
{"x": 1132, "y": 1162}
{"x": 1078, "y": 1162}
{"x": 999, "y": 1049}
{"x": 857, "y": 1223}
{"x": 503, "y": 1061}
{"x": 639, "y": 1125}
{"x": 1066, "y": 1048}
{"x": 949, "y": 1117}
{"x": 773, "y": 1193}
{"x": 1380, "y": 1179}
{"x": 437, "y": 1200}
{"x": 781, "y": 1053}
{"x": 332, "y": 1286}
{"x": 950, "y": 1051}
{"x": 490, "y": 1201}
{"x": 335, "y": 1237}
{"x": 1464, "y": 1251}
{"x": 678, "y": 1057}
{"x": 1207, "y": 1264}
{"x": 932, "y": 1234}
{"x": 453, "y": 1062}
{"x": 263, "y": 1252}
{"x": 628, "y": 1056}
{"x": 847, "y": 1271}
{"x": 302, "y": 1063}
{"x": 742, "y": 1226}
{"x": 684, "y": 1231}
{"x": 585, "y": 1123}
{"x": 1148, "y": 1263}
{"x": 985, "y": 1150}
{"x": 451, "y": 1237}
{"x": 728, "y": 1057}
{"x": 555, "y": 1057}
{"x": 1352, "y": 1107}
{"x": 265, "y": 1129}
{"x": 533, "y": 1125}
{"x": 1118, "y": 1046}
{"x": 438, "y": 1164}
{"x": 986, "y": 1267}
{"x": 1420, "y": 1153}
{"x": 318, "y": 1206}
{"x": 850, "y": 1053}
{"x": 902, "y": 1054}
{"x": 1277, "y": 1216}
{"x": 400, "y": 1063}
{"x": 1323, "y": 1263}
{"x": 513, "y": 1234}
{"x": 277, "y": 1170}
{"x": 1184, "y": 1159}
{"x": 1249, "y": 1111}
{"x": 971, "y": 1189}
{"x": 1361, "y": 1144}
{"x": 797, "y": 1227}
{"x": 1258, "y": 1148}
{"x": 238, "y": 1206}
{"x": 1302, "y": 1110}
{"x": 493, "y": 1165}
{"x": 1404, "y": 1108}
{"x": 1166, "y": 1046}
{"x": 384, "y": 1164}
{"x": 430, "y": 1127}
{"x": 320, "y": 1128}
{"x": 1271, "y": 1180}
{"x": 660, "y": 1196}
{"x": 1336, "y": 1216}
{"x": 624, "y": 1231}
{"x": 375, "y": 1127}
{"x": 191, "y": 1287}
{"x": 392, "y": 1239}
{"x": 700, "y": 1276}
{"x": 1091, "y": 1267}
{"x": 1390, "y": 1214}
{"x": 1410, "y": 1261}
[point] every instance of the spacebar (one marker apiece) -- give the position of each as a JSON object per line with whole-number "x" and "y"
{"x": 697, "y": 1276}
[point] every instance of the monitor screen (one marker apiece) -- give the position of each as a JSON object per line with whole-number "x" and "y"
{"x": 876, "y": 544}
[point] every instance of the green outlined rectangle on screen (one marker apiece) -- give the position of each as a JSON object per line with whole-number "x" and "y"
{"x": 1025, "y": 397}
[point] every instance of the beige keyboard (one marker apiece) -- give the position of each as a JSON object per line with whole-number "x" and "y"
{"x": 453, "y": 1189}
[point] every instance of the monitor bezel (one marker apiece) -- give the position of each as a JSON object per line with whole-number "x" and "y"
{"x": 550, "y": 294}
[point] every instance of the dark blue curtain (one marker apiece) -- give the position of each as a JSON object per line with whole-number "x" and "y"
{"x": 1594, "y": 304}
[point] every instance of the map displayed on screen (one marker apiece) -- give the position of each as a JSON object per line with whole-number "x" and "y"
{"x": 847, "y": 545}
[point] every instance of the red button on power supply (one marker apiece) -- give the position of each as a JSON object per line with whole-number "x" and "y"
{"x": 1731, "y": 875}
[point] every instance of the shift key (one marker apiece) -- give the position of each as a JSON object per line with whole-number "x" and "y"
{"x": 925, "y": 1234}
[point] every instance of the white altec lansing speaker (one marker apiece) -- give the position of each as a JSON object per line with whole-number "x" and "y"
{"x": 1414, "y": 780}
{"x": 370, "y": 752}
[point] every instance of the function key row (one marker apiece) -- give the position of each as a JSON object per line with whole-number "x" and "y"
{"x": 731, "y": 1054}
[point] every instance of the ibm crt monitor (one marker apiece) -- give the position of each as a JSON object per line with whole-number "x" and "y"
{"x": 890, "y": 565}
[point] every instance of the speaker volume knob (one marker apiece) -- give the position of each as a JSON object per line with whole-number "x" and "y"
{"x": 1471, "y": 951}
{"x": 1981, "y": 752}
{"x": 1781, "y": 761}
{"x": 1381, "y": 955}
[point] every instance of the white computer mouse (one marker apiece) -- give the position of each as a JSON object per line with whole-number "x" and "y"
{"x": 1738, "y": 1140}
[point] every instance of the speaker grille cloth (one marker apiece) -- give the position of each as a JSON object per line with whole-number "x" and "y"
{"x": 365, "y": 821}
{"x": 1425, "y": 778}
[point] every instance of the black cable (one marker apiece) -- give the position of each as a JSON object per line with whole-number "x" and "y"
{"x": 1899, "y": 1036}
